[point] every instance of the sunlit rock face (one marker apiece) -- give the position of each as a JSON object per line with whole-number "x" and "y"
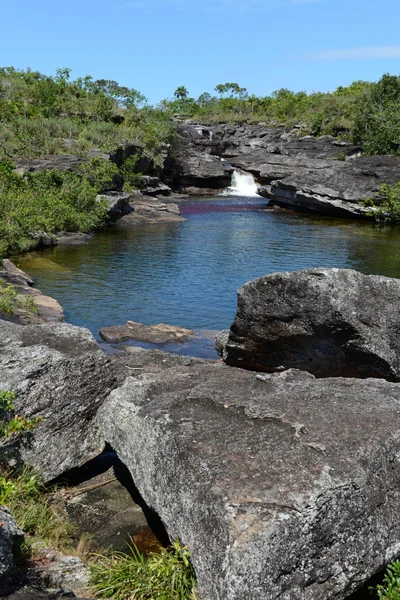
{"x": 277, "y": 483}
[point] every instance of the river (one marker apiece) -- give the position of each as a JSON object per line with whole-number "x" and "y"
{"x": 188, "y": 273}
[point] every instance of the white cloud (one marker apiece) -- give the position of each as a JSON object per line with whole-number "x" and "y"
{"x": 357, "y": 53}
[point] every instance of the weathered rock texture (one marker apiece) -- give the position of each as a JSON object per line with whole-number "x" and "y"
{"x": 324, "y": 175}
{"x": 143, "y": 210}
{"x": 10, "y": 539}
{"x": 331, "y": 322}
{"x": 156, "y": 334}
{"x": 48, "y": 308}
{"x": 282, "y": 486}
{"x": 58, "y": 373}
{"x": 192, "y": 167}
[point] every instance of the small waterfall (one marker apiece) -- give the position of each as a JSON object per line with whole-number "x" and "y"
{"x": 242, "y": 184}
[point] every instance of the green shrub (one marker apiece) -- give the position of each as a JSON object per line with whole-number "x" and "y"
{"x": 10, "y": 300}
{"x": 48, "y": 201}
{"x": 100, "y": 173}
{"x": 386, "y": 205}
{"x": 167, "y": 575}
{"x": 130, "y": 174}
{"x": 10, "y": 423}
{"x": 390, "y": 588}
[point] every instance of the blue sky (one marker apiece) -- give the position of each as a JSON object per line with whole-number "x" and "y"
{"x": 157, "y": 45}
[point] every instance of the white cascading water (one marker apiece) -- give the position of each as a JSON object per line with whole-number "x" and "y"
{"x": 242, "y": 184}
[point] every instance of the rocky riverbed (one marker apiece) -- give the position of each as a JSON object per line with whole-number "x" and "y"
{"x": 324, "y": 175}
{"x": 281, "y": 484}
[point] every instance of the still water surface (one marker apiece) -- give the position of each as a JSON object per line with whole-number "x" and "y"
{"x": 188, "y": 273}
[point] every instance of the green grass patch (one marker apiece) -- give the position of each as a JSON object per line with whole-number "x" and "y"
{"x": 10, "y": 300}
{"x": 167, "y": 575}
{"x": 34, "y": 509}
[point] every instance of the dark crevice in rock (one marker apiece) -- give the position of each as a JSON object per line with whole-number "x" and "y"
{"x": 105, "y": 462}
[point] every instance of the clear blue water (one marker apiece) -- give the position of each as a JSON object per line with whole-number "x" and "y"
{"x": 188, "y": 273}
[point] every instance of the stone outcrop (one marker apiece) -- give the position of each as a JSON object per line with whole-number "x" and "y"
{"x": 62, "y": 162}
{"x": 324, "y": 175}
{"x": 144, "y": 210}
{"x": 67, "y": 238}
{"x": 282, "y": 486}
{"x": 330, "y": 322}
{"x": 155, "y": 334}
{"x": 116, "y": 203}
{"x": 332, "y": 187}
{"x": 11, "y": 538}
{"x": 192, "y": 168}
{"x": 59, "y": 373}
{"x": 48, "y": 309}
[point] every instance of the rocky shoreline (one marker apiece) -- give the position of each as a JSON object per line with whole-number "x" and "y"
{"x": 276, "y": 482}
{"x": 320, "y": 175}
{"x": 276, "y": 466}
{"x": 323, "y": 175}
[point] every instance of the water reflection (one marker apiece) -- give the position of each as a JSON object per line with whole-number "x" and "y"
{"x": 188, "y": 273}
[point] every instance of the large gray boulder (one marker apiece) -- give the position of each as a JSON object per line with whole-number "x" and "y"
{"x": 59, "y": 373}
{"x": 11, "y": 538}
{"x": 282, "y": 486}
{"x": 330, "y": 322}
{"x": 192, "y": 167}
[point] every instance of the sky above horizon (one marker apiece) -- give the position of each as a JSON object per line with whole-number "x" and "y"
{"x": 157, "y": 45}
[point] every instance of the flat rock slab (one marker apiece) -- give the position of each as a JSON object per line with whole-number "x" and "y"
{"x": 155, "y": 334}
{"x": 282, "y": 486}
{"x": 48, "y": 308}
{"x": 144, "y": 211}
{"x": 135, "y": 360}
{"x": 59, "y": 373}
{"x": 330, "y": 322}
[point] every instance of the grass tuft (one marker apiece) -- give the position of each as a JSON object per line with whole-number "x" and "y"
{"x": 34, "y": 510}
{"x": 167, "y": 575}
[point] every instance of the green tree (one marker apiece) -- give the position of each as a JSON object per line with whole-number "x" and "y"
{"x": 181, "y": 93}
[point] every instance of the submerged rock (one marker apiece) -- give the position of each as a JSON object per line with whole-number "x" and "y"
{"x": 58, "y": 373}
{"x": 155, "y": 334}
{"x": 330, "y": 322}
{"x": 282, "y": 486}
{"x": 66, "y": 238}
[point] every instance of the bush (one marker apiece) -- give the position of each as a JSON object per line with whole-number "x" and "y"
{"x": 49, "y": 201}
{"x": 10, "y": 300}
{"x": 100, "y": 173}
{"x": 386, "y": 206}
{"x": 390, "y": 588}
{"x": 160, "y": 576}
{"x": 10, "y": 423}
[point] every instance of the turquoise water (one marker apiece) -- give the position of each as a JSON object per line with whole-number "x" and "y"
{"x": 188, "y": 273}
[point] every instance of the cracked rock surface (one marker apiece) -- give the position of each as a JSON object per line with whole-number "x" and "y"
{"x": 282, "y": 486}
{"x": 59, "y": 373}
